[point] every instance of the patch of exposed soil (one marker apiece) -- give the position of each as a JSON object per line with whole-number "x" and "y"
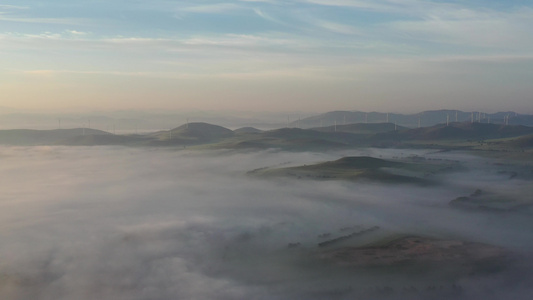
{"x": 416, "y": 250}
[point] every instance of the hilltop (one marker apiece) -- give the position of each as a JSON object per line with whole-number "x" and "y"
{"x": 361, "y": 168}
{"x": 193, "y": 133}
{"x": 247, "y": 130}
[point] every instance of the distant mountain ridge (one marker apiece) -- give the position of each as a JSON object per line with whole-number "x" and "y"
{"x": 44, "y": 137}
{"x": 295, "y": 139}
{"x": 424, "y": 119}
{"x": 465, "y": 130}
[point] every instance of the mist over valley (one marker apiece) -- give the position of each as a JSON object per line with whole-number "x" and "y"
{"x": 167, "y": 223}
{"x": 266, "y": 150}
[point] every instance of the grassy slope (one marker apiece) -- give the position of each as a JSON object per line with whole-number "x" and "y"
{"x": 357, "y": 168}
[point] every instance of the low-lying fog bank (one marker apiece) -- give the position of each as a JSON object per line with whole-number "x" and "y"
{"x": 124, "y": 223}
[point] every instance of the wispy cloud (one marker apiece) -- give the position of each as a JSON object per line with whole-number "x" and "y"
{"x": 268, "y": 17}
{"x": 7, "y": 6}
{"x": 77, "y": 33}
{"x": 467, "y": 27}
{"x": 337, "y": 27}
{"x": 213, "y": 8}
{"x": 367, "y": 5}
{"x": 64, "y": 21}
{"x": 81, "y": 40}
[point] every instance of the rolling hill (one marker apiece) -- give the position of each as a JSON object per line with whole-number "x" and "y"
{"x": 30, "y": 137}
{"x": 361, "y": 168}
{"x": 193, "y": 133}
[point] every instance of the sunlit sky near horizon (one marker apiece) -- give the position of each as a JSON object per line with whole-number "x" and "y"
{"x": 271, "y": 55}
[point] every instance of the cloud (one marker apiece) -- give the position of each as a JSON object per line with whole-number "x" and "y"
{"x": 379, "y": 6}
{"x": 213, "y": 8}
{"x": 467, "y": 27}
{"x": 78, "y": 33}
{"x": 131, "y": 223}
{"x": 336, "y": 27}
{"x": 268, "y": 17}
{"x": 12, "y": 7}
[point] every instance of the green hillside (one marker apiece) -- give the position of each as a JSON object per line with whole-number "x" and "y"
{"x": 247, "y": 130}
{"x": 361, "y": 168}
{"x": 193, "y": 133}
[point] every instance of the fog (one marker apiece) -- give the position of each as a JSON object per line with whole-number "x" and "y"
{"x": 128, "y": 223}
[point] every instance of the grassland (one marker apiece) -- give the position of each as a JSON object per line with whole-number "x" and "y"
{"x": 363, "y": 168}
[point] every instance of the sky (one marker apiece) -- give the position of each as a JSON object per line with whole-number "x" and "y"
{"x": 267, "y": 55}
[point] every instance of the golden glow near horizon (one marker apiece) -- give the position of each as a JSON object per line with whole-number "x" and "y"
{"x": 304, "y": 55}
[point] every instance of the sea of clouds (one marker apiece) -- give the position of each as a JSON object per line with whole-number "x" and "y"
{"x": 147, "y": 223}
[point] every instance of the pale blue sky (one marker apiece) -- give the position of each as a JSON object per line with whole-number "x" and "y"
{"x": 307, "y": 55}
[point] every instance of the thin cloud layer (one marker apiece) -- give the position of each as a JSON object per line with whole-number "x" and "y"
{"x": 228, "y": 38}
